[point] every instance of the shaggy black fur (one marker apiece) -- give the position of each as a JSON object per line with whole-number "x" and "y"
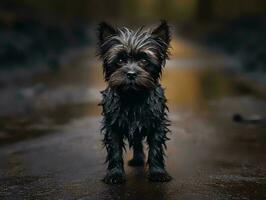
{"x": 134, "y": 105}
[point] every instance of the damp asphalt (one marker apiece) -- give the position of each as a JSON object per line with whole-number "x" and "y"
{"x": 50, "y": 141}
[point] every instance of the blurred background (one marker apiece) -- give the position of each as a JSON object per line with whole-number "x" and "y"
{"x": 50, "y": 78}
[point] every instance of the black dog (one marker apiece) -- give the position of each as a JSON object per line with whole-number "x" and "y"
{"x": 134, "y": 105}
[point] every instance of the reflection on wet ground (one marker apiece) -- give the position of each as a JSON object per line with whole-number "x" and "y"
{"x": 51, "y": 145}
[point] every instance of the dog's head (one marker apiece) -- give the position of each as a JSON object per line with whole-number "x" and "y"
{"x": 133, "y": 60}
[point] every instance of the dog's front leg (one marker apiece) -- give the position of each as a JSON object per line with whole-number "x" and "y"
{"x": 114, "y": 146}
{"x": 157, "y": 172}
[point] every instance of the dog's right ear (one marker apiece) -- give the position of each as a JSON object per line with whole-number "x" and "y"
{"x": 105, "y": 31}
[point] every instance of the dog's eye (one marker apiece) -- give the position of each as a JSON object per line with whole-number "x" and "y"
{"x": 144, "y": 61}
{"x": 120, "y": 61}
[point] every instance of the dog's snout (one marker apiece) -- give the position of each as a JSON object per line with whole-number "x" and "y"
{"x": 131, "y": 74}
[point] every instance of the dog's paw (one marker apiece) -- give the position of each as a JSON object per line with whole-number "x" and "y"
{"x": 159, "y": 176}
{"x": 114, "y": 178}
{"x": 136, "y": 162}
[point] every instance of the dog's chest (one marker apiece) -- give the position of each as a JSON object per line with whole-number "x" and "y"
{"x": 136, "y": 119}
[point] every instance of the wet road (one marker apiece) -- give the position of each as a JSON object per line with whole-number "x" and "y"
{"x": 51, "y": 145}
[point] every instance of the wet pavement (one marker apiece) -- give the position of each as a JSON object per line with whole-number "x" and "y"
{"x": 50, "y": 143}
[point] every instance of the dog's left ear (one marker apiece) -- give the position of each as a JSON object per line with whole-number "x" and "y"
{"x": 162, "y": 32}
{"x": 104, "y": 31}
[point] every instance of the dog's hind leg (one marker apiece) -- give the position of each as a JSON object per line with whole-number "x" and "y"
{"x": 138, "y": 154}
{"x": 114, "y": 146}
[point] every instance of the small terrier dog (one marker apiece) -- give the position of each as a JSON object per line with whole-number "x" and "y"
{"x": 133, "y": 105}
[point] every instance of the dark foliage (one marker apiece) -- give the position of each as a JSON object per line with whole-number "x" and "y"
{"x": 243, "y": 39}
{"x": 26, "y": 41}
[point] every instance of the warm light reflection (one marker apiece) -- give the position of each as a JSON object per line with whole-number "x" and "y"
{"x": 182, "y": 86}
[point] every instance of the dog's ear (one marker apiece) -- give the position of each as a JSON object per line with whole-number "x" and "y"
{"x": 104, "y": 31}
{"x": 162, "y": 32}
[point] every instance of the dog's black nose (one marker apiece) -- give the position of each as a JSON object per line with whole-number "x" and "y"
{"x": 131, "y": 75}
